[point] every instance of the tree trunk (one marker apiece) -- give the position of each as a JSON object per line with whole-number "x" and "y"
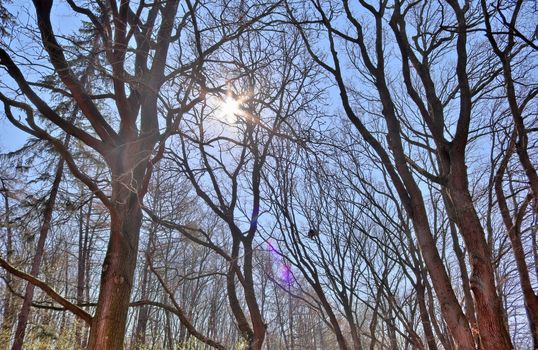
{"x": 348, "y": 313}
{"x": 237, "y": 311}
{"x": 491, "y": 326}
{"x": 391, "y": 332}
{"x": 423, "y": 312}
{"x": 258, "y": 325}
{"x": 109, "y": 323}
{"x": 492, "y": 329}
{"x": 143, "y": 312}
{"x": 440, "y": 331}
{"x": 8, "y": 306}
{"x": 333, "y": 320}
{"x": 531, "y": 299}
{"x": 36, "y": 261}
{"x": 84, "y": 228}
{"x": 290, "y": 318}
{"x": 464, "y": 274}
{"x": 450, "y": 307}
{"x": 513, "y": 228}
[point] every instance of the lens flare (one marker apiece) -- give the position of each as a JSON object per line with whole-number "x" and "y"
{"x": 230, "y": 108}
{"x": 286, "y": 273}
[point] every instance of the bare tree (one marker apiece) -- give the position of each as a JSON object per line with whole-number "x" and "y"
{"x": 126, "y": 132}
{"x": 509, "y": 48}
{"x": 431, "y": 94}
{"x": 284, "y": 175}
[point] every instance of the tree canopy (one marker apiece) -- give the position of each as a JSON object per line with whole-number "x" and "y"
{"x": 245, "y": 174}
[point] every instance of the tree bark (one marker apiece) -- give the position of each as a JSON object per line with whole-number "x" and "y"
{"x": 493, "y": 330}
{"x": 450, "y": 307}
{"x": 109, "y": 323}
{"x": 460, "y": 256}
{"x": 258, "y": 326}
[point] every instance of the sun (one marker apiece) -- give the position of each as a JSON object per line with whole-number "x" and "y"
{"x": 230, "y": 108}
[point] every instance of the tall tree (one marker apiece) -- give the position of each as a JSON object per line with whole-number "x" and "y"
{"x": 345, "y": 32}
{"x": 144, "y": 50}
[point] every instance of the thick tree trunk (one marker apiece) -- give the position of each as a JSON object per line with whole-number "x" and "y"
{"x": 410, "y": 193}
{"x": 258, "y": 325}
{"x": 492, "y": 329}
{"x": 237, "y": 311}
{"x": 450, "y": 307}
{"x": 464, "y": 274}
{"x": 109, "y": 323}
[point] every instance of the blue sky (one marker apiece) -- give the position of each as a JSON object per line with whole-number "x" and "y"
{"x": 64, "y": 21}
{"x": 11, "y": 138}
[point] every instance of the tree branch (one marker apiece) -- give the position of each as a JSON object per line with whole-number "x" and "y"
{"x": 48, "y": 290}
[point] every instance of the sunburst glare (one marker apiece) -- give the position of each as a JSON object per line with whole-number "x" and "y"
{"x": 231, "y": 108}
